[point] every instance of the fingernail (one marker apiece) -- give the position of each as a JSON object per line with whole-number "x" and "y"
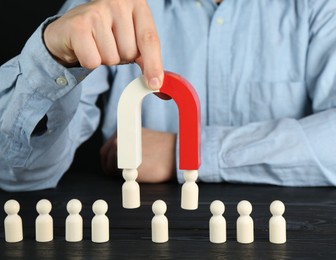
{"x": 154, "y": 83}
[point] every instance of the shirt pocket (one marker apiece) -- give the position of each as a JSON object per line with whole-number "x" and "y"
{"x": 275, "y": 100}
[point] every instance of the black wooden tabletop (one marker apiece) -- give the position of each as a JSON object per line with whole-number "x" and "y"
{"x": 310, "y": 215}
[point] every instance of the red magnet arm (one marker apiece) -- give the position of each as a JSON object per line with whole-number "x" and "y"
{"x": 187, "y": 101}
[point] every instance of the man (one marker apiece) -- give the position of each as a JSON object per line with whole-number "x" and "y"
{"x": 264, "y": 72}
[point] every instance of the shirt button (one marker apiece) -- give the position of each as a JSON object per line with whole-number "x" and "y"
{"x": 219, "y": 20}
{"x": 61, "y": 81}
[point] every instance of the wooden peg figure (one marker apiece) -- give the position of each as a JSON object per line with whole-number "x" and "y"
{"x": 100, "y": 223}
{"x": 130, "y": 189}
{"x": 13, "y": 222}
{"x": 74, "y": 221}
{"x": 217, "y": 223}
{"x": 44, "y": 222}
{"x": 159, "y": 222}
{"x": 245, "y": 227}
{"x": 189, "y": 194}
{"x": 277, "y": 223}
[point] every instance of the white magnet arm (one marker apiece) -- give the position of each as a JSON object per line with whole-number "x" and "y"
{"x": 129, "y": 124}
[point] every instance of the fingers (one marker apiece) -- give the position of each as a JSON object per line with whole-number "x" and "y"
{"x": 108, "y": 32}
{"x": 149, "y": 47}
{"x": 123, "y": 30}
{"x": 105, "y": 43}
{"x": 70, "y": 38}
{"x": 86, "y": 51}
{"x": 114, "y": 34}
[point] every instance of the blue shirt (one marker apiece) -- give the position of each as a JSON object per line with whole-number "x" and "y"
{"x": 265, "y": 73}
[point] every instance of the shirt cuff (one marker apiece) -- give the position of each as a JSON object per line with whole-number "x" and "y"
{"x": 209, "y": 170}
{"x": 42, "y": 73}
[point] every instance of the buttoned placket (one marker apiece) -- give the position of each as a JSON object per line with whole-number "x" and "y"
{"x": 219, "y": 66}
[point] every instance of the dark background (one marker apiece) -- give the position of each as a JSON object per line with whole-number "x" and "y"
{"x": 18, "y": 20}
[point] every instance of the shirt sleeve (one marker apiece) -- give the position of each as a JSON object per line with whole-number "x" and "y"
{"x": 34, "y": 87}
{"x": 287, "y": 151}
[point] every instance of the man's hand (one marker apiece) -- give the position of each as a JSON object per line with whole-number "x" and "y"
{"x": 108, "y": 32}
{"x": 158, "y": 156}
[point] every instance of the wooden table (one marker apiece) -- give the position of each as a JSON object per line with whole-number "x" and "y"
{"x": 310, "y": 215}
